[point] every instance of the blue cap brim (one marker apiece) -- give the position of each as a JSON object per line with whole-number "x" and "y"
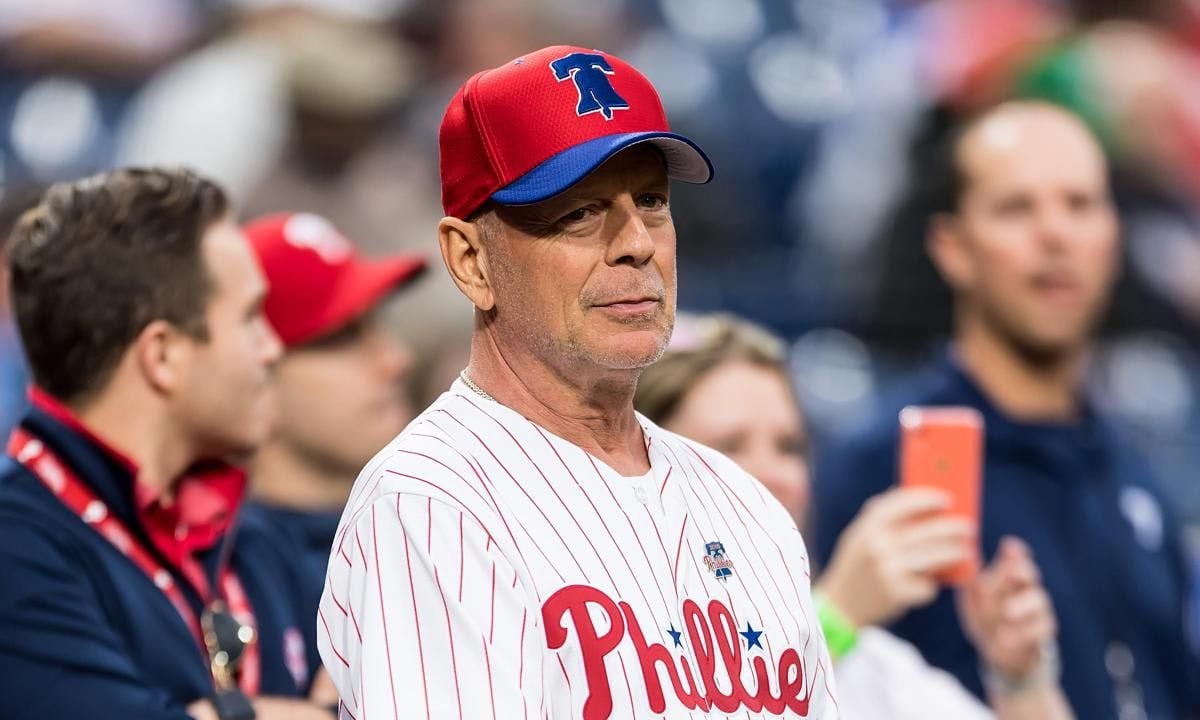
{"x": 685, "y": 161}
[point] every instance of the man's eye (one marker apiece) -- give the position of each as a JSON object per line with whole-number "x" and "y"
{"x": 1081, "y": 202}
{"x": 575, "y": 216}
{"x": 1013, "y": 207}
{"x": 653, "y": 202}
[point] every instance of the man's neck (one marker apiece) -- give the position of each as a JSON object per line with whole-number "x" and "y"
{"x": 281, "y": 477}
{"x": 142, "y": 434}
{"x": 1020, "y": 389}
{"x": 591, "y": 410}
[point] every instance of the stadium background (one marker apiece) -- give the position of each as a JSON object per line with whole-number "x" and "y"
{"x": 818, "y": 115}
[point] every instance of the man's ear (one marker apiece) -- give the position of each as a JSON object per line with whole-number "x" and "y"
{"x": 946, "y": 246}
{"x": 465, "y": 257}
{"x": 161, "y": 353}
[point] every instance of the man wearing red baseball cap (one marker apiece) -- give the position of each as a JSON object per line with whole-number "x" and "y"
{"x": 530, "y": 546}
{"x": 342, "y": 394}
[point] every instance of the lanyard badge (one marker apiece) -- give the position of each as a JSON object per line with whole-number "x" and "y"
{"x": 225, "y": 631}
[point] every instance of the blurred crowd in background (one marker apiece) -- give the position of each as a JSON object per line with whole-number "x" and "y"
{"x": 818, "y": 115}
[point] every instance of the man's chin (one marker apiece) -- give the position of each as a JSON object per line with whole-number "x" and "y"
{"x": 1041, "y": 342}
{"x": 632, "y": 350}
{"x": 1050, "y": 348}
{"x": 239, "y": 453}
{"x": 238, "y": 445}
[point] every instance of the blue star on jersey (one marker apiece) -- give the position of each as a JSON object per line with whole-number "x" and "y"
{"x": 675, "y": 635}
{"x": 752, "y": 636}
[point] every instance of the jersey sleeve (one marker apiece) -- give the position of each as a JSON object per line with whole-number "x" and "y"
{"x": 422, "y": 617}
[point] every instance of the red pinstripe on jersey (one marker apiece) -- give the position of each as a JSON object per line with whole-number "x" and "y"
{"x": 609, "y": 612}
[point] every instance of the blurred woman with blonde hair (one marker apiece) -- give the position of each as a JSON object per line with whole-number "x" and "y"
{"x": 724, "y": 382}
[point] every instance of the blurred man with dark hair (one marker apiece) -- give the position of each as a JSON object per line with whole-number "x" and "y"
{"x": 1028, "y": 242}
{"x": 140, "y": 308}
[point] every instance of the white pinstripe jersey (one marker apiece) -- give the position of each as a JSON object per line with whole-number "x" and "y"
{"x": 485, "y": 568}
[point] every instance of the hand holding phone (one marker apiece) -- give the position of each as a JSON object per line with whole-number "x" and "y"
{"x": 942, "y": 448}
{"x": 886, "y": 560}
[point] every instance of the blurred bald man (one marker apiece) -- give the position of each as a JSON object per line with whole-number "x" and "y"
{"x": 1027, "y": 238}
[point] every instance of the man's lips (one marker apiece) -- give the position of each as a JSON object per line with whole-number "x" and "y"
{"x": 629, "y": 301}
{"x": 1056, "y": 284}
{"x": 630, "y": 305}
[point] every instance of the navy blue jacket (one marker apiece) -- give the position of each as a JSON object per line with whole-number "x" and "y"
{"x": 83, "y": 632}
{"x": 295, "y": 545}
{"x": 1108, "y": 546}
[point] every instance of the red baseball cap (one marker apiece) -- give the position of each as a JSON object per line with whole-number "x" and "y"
{"x": 531, "y": 128}
{"x": 318, "y": 283}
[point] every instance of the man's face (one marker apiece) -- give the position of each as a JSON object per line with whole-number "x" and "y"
{"x": 1037, "y": 229}
{"x": 344, "y": 397}
{"x": 227, "y": 400}
{"x": 586, "y": 280}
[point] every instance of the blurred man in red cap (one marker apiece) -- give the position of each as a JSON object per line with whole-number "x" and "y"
{"x": 342, "y": 395}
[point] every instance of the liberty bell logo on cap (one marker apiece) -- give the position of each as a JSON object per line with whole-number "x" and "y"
{"x": 590, "y": 73}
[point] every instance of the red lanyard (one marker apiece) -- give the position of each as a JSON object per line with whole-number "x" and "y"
{"x": 72, "y": 492}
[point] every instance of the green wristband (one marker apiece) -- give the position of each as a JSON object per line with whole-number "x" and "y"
{"x": 840, "y": 634}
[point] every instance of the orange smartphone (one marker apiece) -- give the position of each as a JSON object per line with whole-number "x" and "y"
{"x": 942, "y": 448}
